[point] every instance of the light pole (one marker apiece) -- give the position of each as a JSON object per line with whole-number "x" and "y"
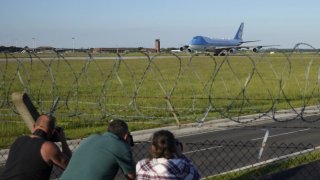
{"x": 34, "y": 44}
{"x": 73, "y": 45}
{"x": 15, "y": 42}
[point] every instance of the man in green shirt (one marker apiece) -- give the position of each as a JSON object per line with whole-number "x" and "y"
{"x": 101, "y": 156}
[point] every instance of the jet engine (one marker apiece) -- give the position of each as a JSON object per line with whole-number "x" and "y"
{"x": 185, "y": 48}
{"x": 256, "y": 49}
{"x": 233, "y": 51}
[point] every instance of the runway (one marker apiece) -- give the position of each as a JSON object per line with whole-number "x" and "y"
{"x": 221, "y": 151}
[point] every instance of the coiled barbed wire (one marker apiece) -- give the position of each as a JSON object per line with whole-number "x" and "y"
{"x": 89, "y": 85}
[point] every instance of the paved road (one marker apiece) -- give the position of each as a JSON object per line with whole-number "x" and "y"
{"x": 236, "y": 147}
{"x": 296, "y": 131}
{"x": 220, "y": 158}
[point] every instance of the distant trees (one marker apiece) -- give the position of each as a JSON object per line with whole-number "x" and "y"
{"x": 10, "y": 49}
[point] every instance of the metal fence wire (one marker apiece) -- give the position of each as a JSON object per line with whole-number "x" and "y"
{"x": 235, "y": 160}
{"x": 164, "y": 87}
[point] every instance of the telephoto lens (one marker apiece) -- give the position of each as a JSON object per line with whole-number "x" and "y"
{"x": 55, "y": 135}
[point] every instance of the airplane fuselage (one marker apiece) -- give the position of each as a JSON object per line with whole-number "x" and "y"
{"x": 202, "y": 43}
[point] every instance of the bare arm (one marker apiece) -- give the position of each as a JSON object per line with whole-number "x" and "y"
{"x": 131, "y": 176}
{"x": 52, "y": 155}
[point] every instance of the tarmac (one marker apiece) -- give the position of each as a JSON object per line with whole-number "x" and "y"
{"x": 223, "y": 124}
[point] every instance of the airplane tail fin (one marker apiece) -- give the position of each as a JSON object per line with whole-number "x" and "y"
{"x": 238, "y": 36}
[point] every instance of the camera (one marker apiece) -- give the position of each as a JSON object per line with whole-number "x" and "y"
{"x": 55, "y": 135}
{"x": 179, "y": 144}
{"x": 130, "y": 140}
{"x": 44, "y": 135}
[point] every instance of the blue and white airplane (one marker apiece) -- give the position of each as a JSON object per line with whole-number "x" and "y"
{"x": 220, "y": 46}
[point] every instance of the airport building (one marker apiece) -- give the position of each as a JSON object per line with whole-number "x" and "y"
{"x": 156, "y": 49}
{"x": 157, "y": 45}
{"x": 49, "y": 49}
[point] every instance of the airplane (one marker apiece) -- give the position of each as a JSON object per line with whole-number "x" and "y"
{"x": 220, "y": 46}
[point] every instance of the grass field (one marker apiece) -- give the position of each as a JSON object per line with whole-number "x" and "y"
{"x": 151, "y": 92}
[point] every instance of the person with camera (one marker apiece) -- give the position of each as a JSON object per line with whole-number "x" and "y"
{"x": 166, "y": 161}
{"x": 33, "y": 156}
{"x": 101, "y": 156}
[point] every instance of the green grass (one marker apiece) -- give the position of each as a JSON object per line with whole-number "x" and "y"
{"x": 93, "y": 92}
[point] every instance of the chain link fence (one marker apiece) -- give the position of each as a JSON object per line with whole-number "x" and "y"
{"x": 234, "y": 159}
{"x": 169, "y": 88}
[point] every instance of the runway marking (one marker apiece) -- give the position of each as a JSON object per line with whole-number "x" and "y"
{"x": 282, "y": 134}
{"x": 197, "y": 133}
{"x": 215, "y": 147}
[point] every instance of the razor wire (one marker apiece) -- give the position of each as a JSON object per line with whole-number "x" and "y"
{"x": 97, "y": 88}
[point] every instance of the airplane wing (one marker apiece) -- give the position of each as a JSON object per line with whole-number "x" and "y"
{"x": 249, "y": 41}
{"x": 255, "y": 48}
{"x": 233, "y": 49}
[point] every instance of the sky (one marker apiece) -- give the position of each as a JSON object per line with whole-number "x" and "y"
{"x": 128, "y": 23}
